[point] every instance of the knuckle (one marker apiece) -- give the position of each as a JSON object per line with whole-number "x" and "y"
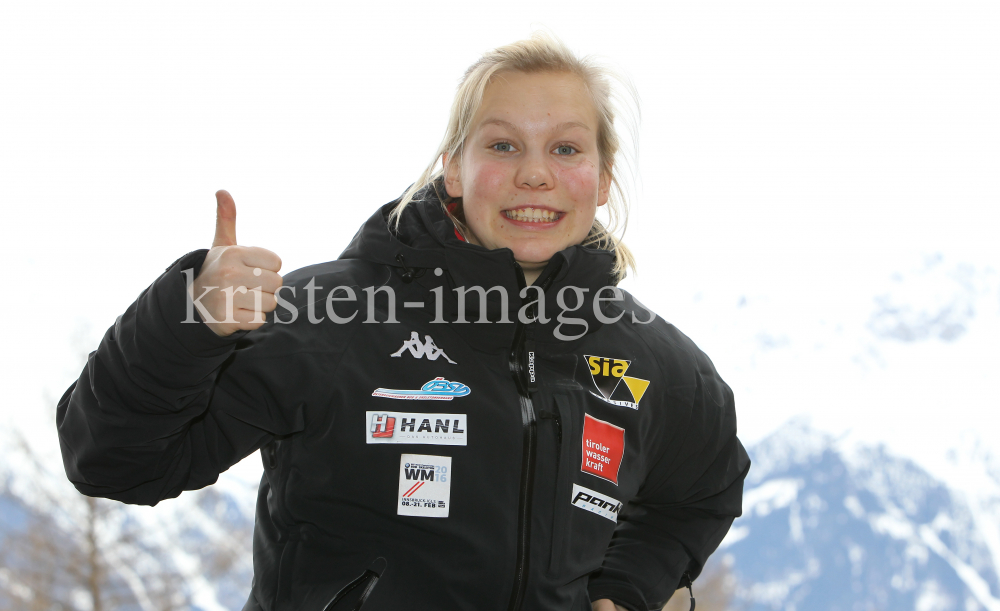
{"x": 231, "y": 274}
{"x": 227, "y": 253}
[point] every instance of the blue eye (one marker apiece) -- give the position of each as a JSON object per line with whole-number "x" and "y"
{"x": 565, "y": 150}
{"x": 503, "y": 147}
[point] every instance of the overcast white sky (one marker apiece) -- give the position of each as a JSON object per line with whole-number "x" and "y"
{"x": 793, "y": 155}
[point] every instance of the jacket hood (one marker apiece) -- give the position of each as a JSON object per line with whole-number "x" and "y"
{"x": 425, "y": 240}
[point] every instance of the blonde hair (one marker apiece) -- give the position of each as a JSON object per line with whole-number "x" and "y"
{"x": 544, "y": 53}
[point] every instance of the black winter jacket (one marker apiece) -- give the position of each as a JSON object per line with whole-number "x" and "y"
{"x": 421, "y": 464}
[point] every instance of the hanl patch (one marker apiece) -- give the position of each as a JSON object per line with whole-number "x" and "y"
{"x": 438, "y": 389}
{"x": 608, "y": 375}
{"x": 603, "y": 448}
{"x": 406, "y": 427}
{"x": 595, "y": 502}
{"x": 424, "y": 486}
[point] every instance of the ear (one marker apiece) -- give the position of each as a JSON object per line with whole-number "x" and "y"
{"x": 452, "y": 176}
{"x": 604, "y": 188}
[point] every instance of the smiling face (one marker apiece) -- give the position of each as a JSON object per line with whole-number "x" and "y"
{"x": 529, "y": 175}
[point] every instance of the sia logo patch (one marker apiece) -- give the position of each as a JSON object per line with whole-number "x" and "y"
{"x": 438, "y": 389}
{"x": 603, "y": 447}
{"x": 404, "y": 427}
{"x": 424, "y": 486}
{"x": 608, "y": 375}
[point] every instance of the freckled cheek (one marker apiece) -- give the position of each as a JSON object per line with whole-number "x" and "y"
{"x": 485, "y": 195}
{"x": 580, "y": 182}
{"x": 487, "y": 182}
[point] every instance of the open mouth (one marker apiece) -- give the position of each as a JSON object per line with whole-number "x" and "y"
{"x": 533, "y": 215}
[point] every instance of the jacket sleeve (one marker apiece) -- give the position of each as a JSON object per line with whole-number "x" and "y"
{"x": 163, "y": 406}
{"x": 692, "y": 493}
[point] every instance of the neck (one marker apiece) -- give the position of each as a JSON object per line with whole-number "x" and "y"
{"x": 532, "y": 270}
{"x": 530, "y": 275}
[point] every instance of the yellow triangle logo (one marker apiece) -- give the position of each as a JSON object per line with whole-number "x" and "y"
{"x": 637, "y": 386}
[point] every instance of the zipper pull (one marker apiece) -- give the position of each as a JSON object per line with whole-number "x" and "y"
{"x": 531, "y": 370}
{"x": 686, "y": 581}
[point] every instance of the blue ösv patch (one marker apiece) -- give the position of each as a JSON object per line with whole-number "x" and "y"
{"x": 438, "y": 389}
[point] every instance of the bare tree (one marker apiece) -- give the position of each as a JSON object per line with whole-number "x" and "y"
{"x": 76, "y": 552}
{"x": 60, "y": 550}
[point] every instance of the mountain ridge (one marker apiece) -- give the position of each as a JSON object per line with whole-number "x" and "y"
{"x": 830, "y": 524}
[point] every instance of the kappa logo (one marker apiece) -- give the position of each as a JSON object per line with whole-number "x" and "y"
{"x": 608, "y": 374}
{"x": 406, "y": 427}
{"x": 421, "y": 350}
{"x": 438, "y": 389}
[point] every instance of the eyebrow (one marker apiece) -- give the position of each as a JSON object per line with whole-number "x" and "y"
{"x": 512, "y": 127}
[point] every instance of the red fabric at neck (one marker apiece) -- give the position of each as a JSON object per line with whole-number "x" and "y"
{"x": 451, "y": 210}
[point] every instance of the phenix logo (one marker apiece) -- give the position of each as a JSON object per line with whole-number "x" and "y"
{"x": 607, "y": 375}
{"x": 438, "y": 389}
{"x": 383, "y": 425}
{"x": 420, "y": 350}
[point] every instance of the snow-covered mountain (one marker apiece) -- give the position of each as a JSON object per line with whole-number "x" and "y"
{"x": 830, "y": 525}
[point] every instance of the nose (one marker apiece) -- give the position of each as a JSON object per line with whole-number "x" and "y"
{"x": 534, "y": 173}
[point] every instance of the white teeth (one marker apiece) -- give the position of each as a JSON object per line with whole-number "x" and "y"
{"x": 532, "y": 215}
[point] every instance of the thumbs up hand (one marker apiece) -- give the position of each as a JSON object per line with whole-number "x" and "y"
{"x": 236, "y": 285}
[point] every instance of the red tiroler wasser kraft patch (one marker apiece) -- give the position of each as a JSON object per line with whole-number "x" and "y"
{"x": 603, "y": 446}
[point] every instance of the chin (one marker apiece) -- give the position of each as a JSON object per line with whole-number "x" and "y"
{"x": 534, "y": 256}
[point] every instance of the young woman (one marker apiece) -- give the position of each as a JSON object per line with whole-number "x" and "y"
{"x": 462, "y": 411}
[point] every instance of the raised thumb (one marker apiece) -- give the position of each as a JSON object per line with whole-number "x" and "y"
{"x": 225, "y": 220}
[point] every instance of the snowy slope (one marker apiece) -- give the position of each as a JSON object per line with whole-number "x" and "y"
{"x": 833, "y": 525}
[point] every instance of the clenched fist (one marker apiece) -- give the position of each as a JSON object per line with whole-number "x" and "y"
{"x": 236, "y": 285}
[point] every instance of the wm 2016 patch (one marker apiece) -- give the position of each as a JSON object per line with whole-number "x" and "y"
{"x": 424, "y": 486}
{"x": 608, "y": 375}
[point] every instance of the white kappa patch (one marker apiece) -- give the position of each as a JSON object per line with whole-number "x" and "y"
{"x": 424, "y": 486}
{"x": 425, "y": 349}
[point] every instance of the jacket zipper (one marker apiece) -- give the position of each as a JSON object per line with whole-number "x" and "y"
{"x": 526, "y": 381}
{"x": 370, "y": 577}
